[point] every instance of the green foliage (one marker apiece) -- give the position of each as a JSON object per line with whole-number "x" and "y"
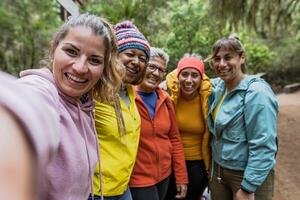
{"x": 285, "y": 65}
{"x": 259, "y": 57}
{"x": 141, "y": 12}
{"x": 27, "y": 28}
{"x": 191, "y": 31}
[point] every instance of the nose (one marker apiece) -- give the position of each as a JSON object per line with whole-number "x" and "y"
{"x": 222, "y": 62}
{"x": 188, "y": 79}
{"x": 156, "y": 72}
{"x": 80, "y": 65}
{"x": 135, "y": 60}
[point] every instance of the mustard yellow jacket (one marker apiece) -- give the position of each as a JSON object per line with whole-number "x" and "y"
{"x": 204, "y": 91}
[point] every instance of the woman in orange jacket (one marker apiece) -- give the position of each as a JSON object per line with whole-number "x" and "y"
{"x": 160, "y": 146}
{"x": 190, "y": 88}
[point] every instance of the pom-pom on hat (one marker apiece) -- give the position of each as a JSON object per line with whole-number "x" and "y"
{"x": 190, "y": 62}
{"x": 129, "y": 37}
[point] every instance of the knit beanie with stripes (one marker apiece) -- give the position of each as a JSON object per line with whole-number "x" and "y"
{"x": 129, "y": 37}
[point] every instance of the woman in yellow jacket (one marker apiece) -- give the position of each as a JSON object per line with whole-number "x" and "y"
{"x": 190, "y": 88}
{"x": 118, "y": 123}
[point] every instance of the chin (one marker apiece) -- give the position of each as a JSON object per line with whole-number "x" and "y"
{"x": 151, "y": 88}
{"x": 76, "y": 93}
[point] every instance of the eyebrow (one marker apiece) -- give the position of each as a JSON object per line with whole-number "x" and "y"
{"x": 97, "y": 56}
{"x": 227, "y": 54}
{"x": 72, "y": 45}
{"x": 157, "y": 66}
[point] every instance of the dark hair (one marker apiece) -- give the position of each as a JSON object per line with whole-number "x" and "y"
{"x": 231, "y": 43}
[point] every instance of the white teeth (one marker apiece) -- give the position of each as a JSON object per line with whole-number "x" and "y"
{"x": 224, "y": 70}
{"x": 133, "y": 71}
{"x": 188, "y": 88}
{"x": 74, "y": 78}
{"x": 152, "y": 81}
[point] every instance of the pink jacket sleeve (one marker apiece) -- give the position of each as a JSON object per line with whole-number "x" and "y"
{"x": 39, "y": 122}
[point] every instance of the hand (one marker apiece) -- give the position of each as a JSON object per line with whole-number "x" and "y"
{"x": 242, "y": 195}
{"x": 181, "y": 191}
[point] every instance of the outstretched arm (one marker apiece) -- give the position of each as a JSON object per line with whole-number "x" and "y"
{"x": 17, "y": 160}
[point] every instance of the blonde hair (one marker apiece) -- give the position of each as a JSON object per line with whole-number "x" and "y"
{"x": 110, "y": 81}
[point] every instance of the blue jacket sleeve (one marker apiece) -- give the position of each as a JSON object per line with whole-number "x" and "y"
{"x": 260, "y": 115}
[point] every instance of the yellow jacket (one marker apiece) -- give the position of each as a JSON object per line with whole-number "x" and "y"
{"x": 117, "y": 152}
{"x": 204, "y": 91}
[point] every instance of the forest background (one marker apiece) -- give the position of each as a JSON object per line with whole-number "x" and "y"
{"x": 270, "y": 30}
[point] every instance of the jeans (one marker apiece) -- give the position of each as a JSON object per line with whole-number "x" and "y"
{"x": 125, "y": 196}
{"x": 230, "y": 183}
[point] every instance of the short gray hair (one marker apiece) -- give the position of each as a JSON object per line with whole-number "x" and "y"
{"x": 157, "y": 52}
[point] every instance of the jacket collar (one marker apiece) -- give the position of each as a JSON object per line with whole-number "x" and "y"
{"x": 85, "y": 102}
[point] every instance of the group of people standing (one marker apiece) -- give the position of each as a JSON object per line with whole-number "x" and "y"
{"x": 112, "y": 133}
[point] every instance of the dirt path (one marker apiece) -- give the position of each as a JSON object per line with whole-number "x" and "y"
{"x": 288, "y": 163}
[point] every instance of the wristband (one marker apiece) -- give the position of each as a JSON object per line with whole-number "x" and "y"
{"x": 245, "y": 190}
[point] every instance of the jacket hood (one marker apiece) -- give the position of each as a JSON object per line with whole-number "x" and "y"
{"x": 86, "y": 102}
{"x": 173, "y": 86}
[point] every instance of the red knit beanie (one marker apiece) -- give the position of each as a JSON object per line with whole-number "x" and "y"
{"x": 190, "y": 62}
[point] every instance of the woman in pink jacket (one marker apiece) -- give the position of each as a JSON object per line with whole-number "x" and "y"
{"x": 83, "y": 65}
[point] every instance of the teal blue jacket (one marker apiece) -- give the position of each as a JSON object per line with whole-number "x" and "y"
{"x": 244, "y": 130}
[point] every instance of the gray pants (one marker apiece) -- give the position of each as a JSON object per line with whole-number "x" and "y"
{"x": 230, "y": 183}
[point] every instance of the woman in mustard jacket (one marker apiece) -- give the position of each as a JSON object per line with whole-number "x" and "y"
{"x": 190, "y": 88}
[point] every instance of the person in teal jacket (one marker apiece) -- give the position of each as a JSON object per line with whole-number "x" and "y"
{"x": 242, "y": 122}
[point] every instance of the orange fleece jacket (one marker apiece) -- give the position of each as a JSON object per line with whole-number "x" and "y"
{"x": 160, "y": 147}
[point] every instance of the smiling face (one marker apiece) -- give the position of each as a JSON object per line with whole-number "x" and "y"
{"x": 135, "y": 61}
{"x": 189, "y": 83}
{"x": 227, "y": 65}
{"x": 154, "y": 74}
{"x": 78, "y": 61}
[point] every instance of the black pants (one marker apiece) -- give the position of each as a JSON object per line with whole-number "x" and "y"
{"x": 155, "y": 192}
{"x": 198, "y": 181}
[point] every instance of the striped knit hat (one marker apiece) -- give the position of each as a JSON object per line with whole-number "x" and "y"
{"x": 129, "y": 37}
